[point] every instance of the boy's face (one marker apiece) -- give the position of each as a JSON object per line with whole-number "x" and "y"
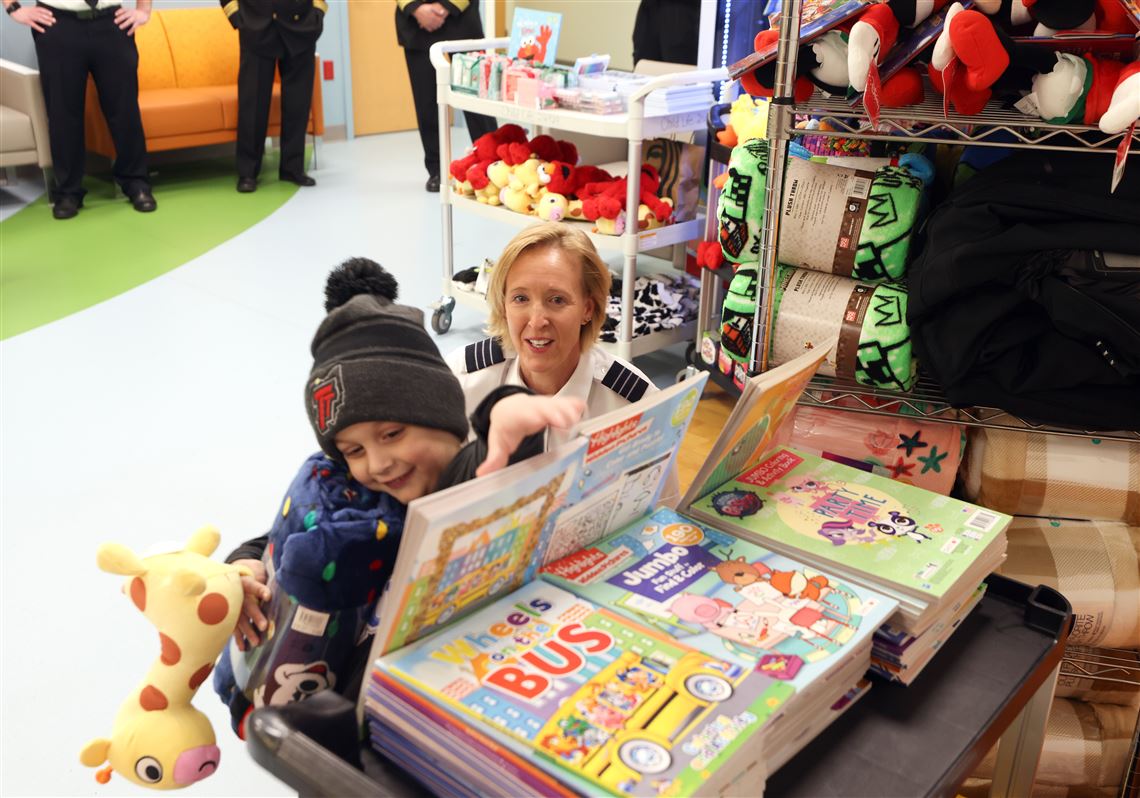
{"x": 403, "y": 460}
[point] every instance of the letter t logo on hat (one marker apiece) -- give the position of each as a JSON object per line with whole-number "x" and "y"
{"x": 327, "y": 398}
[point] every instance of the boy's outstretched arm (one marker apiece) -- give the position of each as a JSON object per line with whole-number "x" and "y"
{"x": 515, "y": 418}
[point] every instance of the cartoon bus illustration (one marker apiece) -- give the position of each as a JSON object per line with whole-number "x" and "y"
{"x": 621, "y": 725}
{"x": 482, "y": 569}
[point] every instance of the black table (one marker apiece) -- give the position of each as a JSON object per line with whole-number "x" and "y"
{"x": 993, "y": 679}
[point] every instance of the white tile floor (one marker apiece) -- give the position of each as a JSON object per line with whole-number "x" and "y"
{"x": 174, "y": 405}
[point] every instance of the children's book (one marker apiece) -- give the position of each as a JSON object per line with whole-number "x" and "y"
{"x": 465, "y": 546}
{"x": 818, "y": 17}
{"x": 597, "y": 696}
{"x": 725, "y": 596}
{"x": 534, "y": 35}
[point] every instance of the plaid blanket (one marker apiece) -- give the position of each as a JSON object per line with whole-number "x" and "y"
{"x": 1024, "y": 473}
{"x": 1094, "y": 564}
{"x": 1117, "y": 680}
{"x": 1086, "y": 745}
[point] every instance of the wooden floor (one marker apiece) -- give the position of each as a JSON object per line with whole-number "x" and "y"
{"x": 708, "y": 420}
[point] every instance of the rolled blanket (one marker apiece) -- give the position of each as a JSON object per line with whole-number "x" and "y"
{"x": 736, "y": 318}
{"x": 1117, "y": 679}
{"x": 1086, "y": 745}
{"x": 1026, "y": 473}
{"x": 865, "y": 326}
{"x": 740, "y": 210}
{"x": 905, "y": 449}
{"x": 1093, "y": 564}
{"x": 852, "y": 222}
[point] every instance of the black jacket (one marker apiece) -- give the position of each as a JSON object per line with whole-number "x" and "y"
{"x": 462, "y": 22}
{"x": 1013, "y": 306}
{"x": 263, "y": 24}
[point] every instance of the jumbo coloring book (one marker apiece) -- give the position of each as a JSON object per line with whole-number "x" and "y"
{"x": 613, "y": 702}
{"x": 726, "y": 597}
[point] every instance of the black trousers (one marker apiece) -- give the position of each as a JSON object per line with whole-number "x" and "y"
{"x": 667, "y": 30}
{"x": 255, "y": 93}
{"x": 422, "y": 75}
{"x": 67, "y": 52}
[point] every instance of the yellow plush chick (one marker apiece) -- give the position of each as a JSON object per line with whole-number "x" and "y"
{"x": 749, "y": 117}
{"x": 552, "y": 207}
{"x": 159, "y": 739}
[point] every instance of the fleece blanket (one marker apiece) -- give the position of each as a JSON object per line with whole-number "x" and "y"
{"x": 1117, "y": 679}
{"x": 740, "y": 209}
{"x": 660, "y": 302}
{"x": 863, "y": 325}
{"x": 1094, "y": 564}
{"x": 905, "y": 449}
{"x": 1026, "y": 473}
{"x": 1086, "y": 745}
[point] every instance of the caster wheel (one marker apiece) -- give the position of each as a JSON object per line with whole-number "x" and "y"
{"x": 441, "y": 321}
{"x": 691, "y": 354}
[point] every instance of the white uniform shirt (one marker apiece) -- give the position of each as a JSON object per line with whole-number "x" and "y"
{"x": 604, "y": 382}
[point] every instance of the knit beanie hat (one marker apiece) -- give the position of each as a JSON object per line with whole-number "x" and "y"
{"x": 374, "y": 361}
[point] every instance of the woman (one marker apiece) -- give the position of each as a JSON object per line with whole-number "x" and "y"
{"x": 548, "y": 296}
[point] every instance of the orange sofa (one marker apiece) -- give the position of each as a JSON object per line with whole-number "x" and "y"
{"x": 188, "y": 67}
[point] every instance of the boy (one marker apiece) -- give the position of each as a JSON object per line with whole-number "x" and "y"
{"x": 389, "y": 417}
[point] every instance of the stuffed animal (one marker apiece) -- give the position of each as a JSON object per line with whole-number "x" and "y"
{"x": 1047, "y": 17}
{"x": 604, "y": 202}
{"x": 159, "y": 739}
{"x": 1065, "y": 88}
{"x": 483, "y": 151}
{"x": 747, "y": 119}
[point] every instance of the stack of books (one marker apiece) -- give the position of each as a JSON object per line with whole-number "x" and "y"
{"x": 679, "y": 99}
{"x": 549, "y": 629}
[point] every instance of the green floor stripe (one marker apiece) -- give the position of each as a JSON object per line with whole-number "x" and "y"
{"x": 51, "y": 268}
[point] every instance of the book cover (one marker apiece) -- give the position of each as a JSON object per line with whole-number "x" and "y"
{"x": 817, "y": 17}
{"x": 614, "y": 702}
{"x": 534, "y": 35}
{"x": 628, "y": 465}
{"x": 470, "y": 543}
{"x": 920, "y": 541}
{"x": 724, "y": 596}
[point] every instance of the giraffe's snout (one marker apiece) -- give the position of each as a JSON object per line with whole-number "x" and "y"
{"x": 195, "y": 764}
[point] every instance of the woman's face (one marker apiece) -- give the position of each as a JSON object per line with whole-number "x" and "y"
{"x": 546, "y": 307}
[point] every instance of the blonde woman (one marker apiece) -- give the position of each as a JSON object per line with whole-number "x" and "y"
{"x": 548, "y": 295}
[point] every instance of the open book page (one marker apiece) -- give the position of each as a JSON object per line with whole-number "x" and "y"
{"x": 896, "y": 534}
{"x": 466, "y": 545}
{"x": 752, "y": 428}
{"x": 629, "y": 464}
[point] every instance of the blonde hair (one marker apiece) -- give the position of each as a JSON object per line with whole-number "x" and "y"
{"x": 575, "y": 243}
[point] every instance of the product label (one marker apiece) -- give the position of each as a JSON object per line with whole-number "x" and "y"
{"x": 310, "y": 622}
{"x": 822, "y": 215}
{"x": 819, "y": 309}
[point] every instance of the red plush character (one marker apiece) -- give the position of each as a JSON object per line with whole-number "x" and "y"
{"x": 484, "y": 150}
{"x": 709, "y": 254}
{"x": 549, "y": 149}
{"x": 606, "y": 200}
{"x": 563, "y": 178}
{"x": 514, "y": 153}
{"x": 1046, "y": 17}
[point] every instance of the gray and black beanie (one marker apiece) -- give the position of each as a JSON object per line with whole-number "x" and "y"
{"x": 374, "y": 361}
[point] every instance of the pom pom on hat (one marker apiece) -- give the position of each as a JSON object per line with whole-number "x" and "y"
{"x": 358, "y": 276}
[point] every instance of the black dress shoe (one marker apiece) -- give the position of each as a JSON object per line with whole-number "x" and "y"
{"x": 303, "y": 180}
{"x": 66, "y": 207}
{"x": 143, "y": 201}
{"x": 247, "y": 185}
{"x": 432, "y": 184}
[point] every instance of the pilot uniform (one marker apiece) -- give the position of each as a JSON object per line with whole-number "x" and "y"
{"x": 602, "y": 381}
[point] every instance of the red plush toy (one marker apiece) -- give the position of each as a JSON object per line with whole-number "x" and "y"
{"x": 606, "y": 200}
{"x": 484, "y": 151}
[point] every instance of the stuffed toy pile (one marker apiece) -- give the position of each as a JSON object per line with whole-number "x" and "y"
{"x": 540, "y": 177}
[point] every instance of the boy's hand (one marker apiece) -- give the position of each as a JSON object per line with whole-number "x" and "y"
{"x": 251, "y": 620}
{"x": 520, "y": 415}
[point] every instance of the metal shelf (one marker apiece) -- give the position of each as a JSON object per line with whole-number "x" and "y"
{"x": 926, "y": 401}
{"x": 1116, "y": 666}
{"x": 926, "y": 122}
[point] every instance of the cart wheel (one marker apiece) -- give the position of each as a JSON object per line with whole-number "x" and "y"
{"x": 691, "y": 354}
{"x": 441, "y": 321}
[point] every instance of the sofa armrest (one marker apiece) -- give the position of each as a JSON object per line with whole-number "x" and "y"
{"x": 21, "y": 90}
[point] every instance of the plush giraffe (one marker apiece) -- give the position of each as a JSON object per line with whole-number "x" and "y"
{"x": 159, "y": 739}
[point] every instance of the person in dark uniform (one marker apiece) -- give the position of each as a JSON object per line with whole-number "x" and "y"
{"x": 275, "y": 34}
{"x": 419, "y": 25}
{"x": 667, "y": 30}
{"x": 75, "y": 38}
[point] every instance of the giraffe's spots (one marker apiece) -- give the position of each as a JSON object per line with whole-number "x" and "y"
{"x": 171, "y": 654}
{"x": 200, "y": 675}
{"x": 213, "y": 608}
{"x": 152, "y": 699}
{"x": 138, "y": 593}
{"x": 329, "y": 572}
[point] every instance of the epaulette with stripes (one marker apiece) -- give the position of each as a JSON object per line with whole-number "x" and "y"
{"x": 482, "y": 354}
{"x": 624, "y": 382}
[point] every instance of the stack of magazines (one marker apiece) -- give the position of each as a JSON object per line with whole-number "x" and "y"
{"x": 549, "y": 629}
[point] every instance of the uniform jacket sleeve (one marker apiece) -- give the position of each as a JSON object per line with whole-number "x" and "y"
{"x": 474, "y": 452}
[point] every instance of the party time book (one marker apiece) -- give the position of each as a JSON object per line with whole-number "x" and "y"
{"x": 465, "y": 546}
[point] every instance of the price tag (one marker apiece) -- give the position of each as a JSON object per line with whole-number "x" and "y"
{"x": 1121, "y": 157}
{"x": 872, "y": 96}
